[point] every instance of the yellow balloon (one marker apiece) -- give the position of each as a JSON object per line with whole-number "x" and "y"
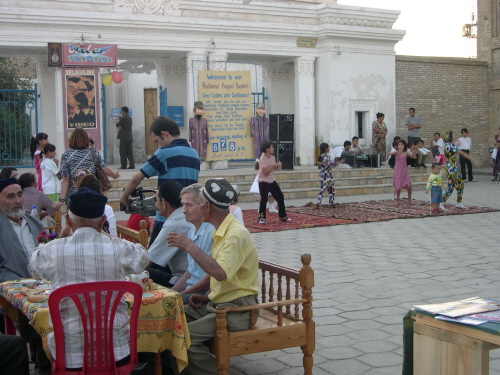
{"x": 107, "y": 80}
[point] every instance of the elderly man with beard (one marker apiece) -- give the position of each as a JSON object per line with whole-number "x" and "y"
{"x": 18, "y": 231}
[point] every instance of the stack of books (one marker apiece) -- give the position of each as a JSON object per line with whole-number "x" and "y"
{"x": 472, "y": 311}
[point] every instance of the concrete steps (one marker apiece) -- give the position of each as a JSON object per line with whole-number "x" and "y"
{"x": 299, "y": 183}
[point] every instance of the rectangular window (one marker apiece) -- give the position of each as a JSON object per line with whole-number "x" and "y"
{"x": 361, "y": 118}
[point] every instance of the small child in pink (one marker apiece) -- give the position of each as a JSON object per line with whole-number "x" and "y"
{"x": 267, "y": 184}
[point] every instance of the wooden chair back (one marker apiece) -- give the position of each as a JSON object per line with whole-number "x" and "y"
{"x": 141, "y": 236}
{"x": 58, "y": 227}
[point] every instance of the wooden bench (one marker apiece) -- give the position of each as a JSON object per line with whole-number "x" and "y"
{"x": 284, "y": 321}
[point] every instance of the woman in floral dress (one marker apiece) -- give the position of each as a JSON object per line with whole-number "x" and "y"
{"x": 379, "y": 131}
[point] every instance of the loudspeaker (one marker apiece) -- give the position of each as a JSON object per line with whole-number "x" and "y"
{"x": 350, "y": 160}
{"x": 284, "y": 154}
{"x": 375, "y": 161}
{"x": 281, "y": 128}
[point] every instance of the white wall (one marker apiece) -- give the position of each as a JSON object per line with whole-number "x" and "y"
{"x": 353, "y": 82}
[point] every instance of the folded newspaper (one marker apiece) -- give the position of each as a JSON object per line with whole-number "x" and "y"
{"x": 474, "y": 305}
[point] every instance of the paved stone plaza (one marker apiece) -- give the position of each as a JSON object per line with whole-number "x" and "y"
{"x": 368, "y": 276}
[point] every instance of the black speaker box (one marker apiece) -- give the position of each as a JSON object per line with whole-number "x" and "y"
{"x": 281, "y": 128}
{"x": 284, "y": 154}
{"x": 375, "y": 160}
{"x": 350, "y": 160}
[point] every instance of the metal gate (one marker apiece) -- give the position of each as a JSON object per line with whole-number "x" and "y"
{"x": 18, "y": 123}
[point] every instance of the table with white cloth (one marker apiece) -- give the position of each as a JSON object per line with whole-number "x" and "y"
{"x": 161, "y": 326}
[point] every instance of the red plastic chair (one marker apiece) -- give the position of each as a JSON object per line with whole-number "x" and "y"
{"x": 97, "y": 322}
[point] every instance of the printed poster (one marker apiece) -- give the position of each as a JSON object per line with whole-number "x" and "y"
{"x": 227, "y": 98}
{"x": 81, "y": 98}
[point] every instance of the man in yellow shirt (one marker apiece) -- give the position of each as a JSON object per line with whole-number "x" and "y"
{"x": 232, "y": 268}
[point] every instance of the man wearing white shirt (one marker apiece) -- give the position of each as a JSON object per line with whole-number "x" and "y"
{"x": 88, "y": 256}
{"x": 465, "y": 144}
{"x": 169, "y": 263}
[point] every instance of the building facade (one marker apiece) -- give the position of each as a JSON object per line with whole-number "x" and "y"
{"x": 334, "y": 85}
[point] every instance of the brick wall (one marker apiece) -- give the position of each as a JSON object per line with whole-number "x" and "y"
{"x": 448, "y": 94}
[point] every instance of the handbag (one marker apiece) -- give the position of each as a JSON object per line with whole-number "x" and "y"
{"x": 100, "y": 175}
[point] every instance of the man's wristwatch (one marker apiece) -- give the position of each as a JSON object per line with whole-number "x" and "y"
{"x": 62, "y": 200}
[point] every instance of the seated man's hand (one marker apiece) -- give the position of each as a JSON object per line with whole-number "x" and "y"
{"x": 197, "y": 300}
{"x": 178, "y": 240}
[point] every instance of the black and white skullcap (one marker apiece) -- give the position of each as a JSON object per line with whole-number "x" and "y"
{"x": 219, "y": 192}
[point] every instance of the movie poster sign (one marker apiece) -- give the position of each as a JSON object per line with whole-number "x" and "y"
{"x": 227, "y": 97}
{"x": 93, "y": 55}
{"x": 81, "y": 98}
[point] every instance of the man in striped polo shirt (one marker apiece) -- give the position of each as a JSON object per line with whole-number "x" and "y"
{"x": 174, "y": 160}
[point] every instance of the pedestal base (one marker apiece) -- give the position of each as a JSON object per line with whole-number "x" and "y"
{"x": 204, "y": 165}
{"x": 219, "y": 164}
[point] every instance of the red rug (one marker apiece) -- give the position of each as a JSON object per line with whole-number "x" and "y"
{"x": 347, "y": 213}
{"x": 350, "y": 213}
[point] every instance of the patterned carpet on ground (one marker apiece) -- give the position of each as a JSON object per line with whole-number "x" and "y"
{"x": 349, "y": 213}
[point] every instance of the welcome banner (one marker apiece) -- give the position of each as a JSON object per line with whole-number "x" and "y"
{"x": 227, "y": 97}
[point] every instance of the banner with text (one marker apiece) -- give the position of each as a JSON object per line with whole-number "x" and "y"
{"x": 227, "y": 97}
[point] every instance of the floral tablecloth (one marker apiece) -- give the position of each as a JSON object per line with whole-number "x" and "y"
{"x": 162, "y": 324}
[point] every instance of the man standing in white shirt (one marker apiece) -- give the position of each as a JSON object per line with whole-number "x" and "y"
{"x": 465, "y": 144}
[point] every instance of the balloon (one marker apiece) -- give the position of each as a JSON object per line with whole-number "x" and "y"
{"x": 117, "y": 77}
{"x": 107, "y": 80}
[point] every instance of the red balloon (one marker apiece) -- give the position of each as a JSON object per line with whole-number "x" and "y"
{"x": 117, "y": 77}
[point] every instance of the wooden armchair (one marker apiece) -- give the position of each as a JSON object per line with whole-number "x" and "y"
{"x": 285, "y": 318}
{"x": 134, "y": 236}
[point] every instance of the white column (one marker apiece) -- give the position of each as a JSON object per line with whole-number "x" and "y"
{"x": 305, "y": 127}
{"x": 196, "y": 60}
{"x": 50, "y": 104}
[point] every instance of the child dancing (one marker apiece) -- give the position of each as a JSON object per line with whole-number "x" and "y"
{"x": 434, "y": 186}
{"x": 401, "y": 178}
{"x": 325, "y": 176}
{"x": 267, "y": 184}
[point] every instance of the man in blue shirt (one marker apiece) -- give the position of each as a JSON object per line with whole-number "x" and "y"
{"x": 174, "y": 160}
{"x": 194, "y": 280}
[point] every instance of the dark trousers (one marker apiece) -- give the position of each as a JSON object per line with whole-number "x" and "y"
{"x": 126, "y": 153}
{"x": 13, "y": 355}
{"x": 160, "y": 275}
{"x": 463, "y": 162}
{"x": 412, "y": 140}
{"x": 265, "y": 188}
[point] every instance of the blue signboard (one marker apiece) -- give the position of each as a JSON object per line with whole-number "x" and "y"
{"x": 176, "y": 113}
{"x": 115, "y": 112}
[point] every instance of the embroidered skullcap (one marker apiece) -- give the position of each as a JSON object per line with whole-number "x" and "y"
{"x": 260, "y": 105}
{"x": 198, "y": 104}
{"x": 170, "y": 191}
{"x": 87, "y": 203}
{"x": 7, "y": 181}
{"x": 237, "y": 191}
{"x": 219, "y": 192}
